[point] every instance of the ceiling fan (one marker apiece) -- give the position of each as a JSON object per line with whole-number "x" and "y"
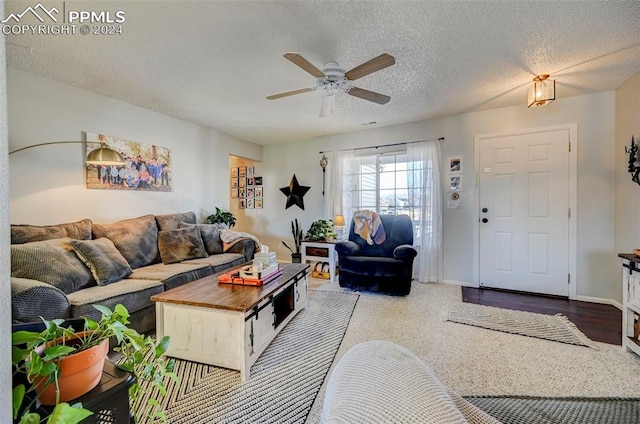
{"x": 333, "y": 79}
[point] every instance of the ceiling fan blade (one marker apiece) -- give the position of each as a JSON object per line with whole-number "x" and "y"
{"x": 289, "y": 93}
{"x": 372, "y": 96}
{"x": 304, "y": 64}
{"x": 370, "y": 67}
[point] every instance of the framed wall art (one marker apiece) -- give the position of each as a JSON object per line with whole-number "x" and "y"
{"x": 258, "y": 203}
{"x": 147, "y": 166}
{"x": 455, "y": 182}
{"x": 455, "y": 164}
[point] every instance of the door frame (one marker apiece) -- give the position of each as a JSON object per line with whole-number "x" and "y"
{"x": 572, "y": 128}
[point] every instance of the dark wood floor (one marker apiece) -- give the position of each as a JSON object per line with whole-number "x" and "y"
{"x": 601, "y": 323}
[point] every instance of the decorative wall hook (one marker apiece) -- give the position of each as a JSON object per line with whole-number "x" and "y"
{"x": 323, "y": 164}
{"x": 634, "y": 165}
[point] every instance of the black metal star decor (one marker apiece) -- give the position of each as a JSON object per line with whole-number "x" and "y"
{"x": 294, "y": 192}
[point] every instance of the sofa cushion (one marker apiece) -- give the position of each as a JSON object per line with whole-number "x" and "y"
{"x": 133, "y": 294}
{"x": 136, "y": 239}
{"x": 172, "y": 275}
{"x": 80, "y": 230}
{"x": 51, "y": 261}
{"x": 180, "y": 244}
{"x": 171, "y": 221}
{"x": 210, "y": 234}
{"x": 106, "y": 263}
{"x": 219, "y": 262}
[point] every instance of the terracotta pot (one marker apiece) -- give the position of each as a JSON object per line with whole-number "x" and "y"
{"x": 79, "y": 373}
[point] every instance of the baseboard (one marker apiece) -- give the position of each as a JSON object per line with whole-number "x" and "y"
{"x": 601, "y": 300}
{"x": 459, "y": 283}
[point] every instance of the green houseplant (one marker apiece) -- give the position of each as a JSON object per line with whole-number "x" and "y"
{"x": 321, "y": 230}
{"x": 39, "y": 357}
{"x": 222, "y": 217}
{"x": 297, "y": 233}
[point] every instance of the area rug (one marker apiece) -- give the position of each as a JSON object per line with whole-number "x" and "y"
{"x": 543, "y": 410}
{"x": 283, "y": 382}
{"x": 549, "y": 327}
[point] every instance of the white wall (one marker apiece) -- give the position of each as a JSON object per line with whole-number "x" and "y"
{"x": 5, "y": 288}
{"x": 627, "y": 223}
{"x": 595, "y": 117}
{"x": 48, "y": 185}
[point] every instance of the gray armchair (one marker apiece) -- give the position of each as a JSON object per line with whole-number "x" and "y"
{"x": 386, "y": 267}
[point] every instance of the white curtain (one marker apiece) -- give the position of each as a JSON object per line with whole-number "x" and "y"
{"x": 425, "y": 191}
{"x": 340, "y": 185}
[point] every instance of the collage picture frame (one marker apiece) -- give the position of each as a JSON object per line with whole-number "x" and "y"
{"x": 246, "y": 187}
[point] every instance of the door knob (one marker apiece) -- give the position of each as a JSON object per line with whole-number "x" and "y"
{"x": 485, "y": 220}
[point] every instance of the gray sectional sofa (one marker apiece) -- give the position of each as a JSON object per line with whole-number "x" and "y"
{"x": 60, "y": 271}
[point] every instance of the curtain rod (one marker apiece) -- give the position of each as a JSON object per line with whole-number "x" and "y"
{"x": 386, "y": 145}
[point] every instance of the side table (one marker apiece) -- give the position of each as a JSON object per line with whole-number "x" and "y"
{"x": 321, "y": 251}
{"x": 109, "y": 400}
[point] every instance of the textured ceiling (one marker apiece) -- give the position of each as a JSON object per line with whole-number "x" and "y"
{"x": 213, "y": 63}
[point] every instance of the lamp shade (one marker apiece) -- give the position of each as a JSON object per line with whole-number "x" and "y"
{"x": 338, "y": 221}
{"x": 104, "y": 156}
{"x": 326, "y": 109}
{"x": 542, "y": 92}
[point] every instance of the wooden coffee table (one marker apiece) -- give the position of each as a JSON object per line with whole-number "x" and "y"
{"x": 229, "y": 325}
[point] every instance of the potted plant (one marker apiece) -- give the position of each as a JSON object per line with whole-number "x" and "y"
{"x": 222, "y": 217}
{"x": 321, "y": 230}
{"x": 45, "y": 359}
{"x": 296, "y": 256}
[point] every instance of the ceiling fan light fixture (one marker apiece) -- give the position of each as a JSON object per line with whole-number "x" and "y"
{"x": 326, "y": 109}
{"x": 542, "y": 92}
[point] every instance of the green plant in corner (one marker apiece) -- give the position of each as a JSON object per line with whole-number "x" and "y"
{"x": 321, "y": 230}
{"x": 222, "y": 217}
{"x": 38, "y": 356}
{"x": 297, "y": 237}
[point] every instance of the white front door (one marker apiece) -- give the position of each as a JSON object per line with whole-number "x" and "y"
{"x": 524, "y": 212}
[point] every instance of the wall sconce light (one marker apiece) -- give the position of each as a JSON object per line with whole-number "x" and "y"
{"x": 542, "y": 92}
{"x": 323, "y": 164}
{"x": 634, "y": 165}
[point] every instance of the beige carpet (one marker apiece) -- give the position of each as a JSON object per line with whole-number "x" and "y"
{"x": 476, "y": 361}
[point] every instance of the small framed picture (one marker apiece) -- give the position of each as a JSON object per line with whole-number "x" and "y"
{"x": 257, "y": 180}
{"x": 258, "y": 191}
{"x": 234, "y": 182}
{"x": 250, "y": 181}
{"x": 234, "y": 172}
{"x": 455, "y": 182}
{"x": 242, "y": 182}
{"x": 242, "y": 192}
{"x": 242, "y": 171}
{"x": 249, "y": 191}
{"x": 455, "y": 165}
{"x": 242, "y": 203}
{"x": 234, "y": 193}
{"x": 250, "y": 170}
{"x": 258, "y": 203}
{"x": 250, "y": 203}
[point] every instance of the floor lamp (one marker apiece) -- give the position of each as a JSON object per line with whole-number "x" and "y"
{"x": 100, "y": 156}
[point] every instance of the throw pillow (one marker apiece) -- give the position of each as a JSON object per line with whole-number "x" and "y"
{"x": 51, "y": 261}
{"x": 172, "y": 221}
{"x": 103, "y": 259}
{"x": 136, "y": 239}
{"x": 181, "y": 244}
{"x": 210, "y": 234}
{"x": 80, "y": 230}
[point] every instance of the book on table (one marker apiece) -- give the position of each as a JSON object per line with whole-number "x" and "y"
{"x": 246, "y": 275}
